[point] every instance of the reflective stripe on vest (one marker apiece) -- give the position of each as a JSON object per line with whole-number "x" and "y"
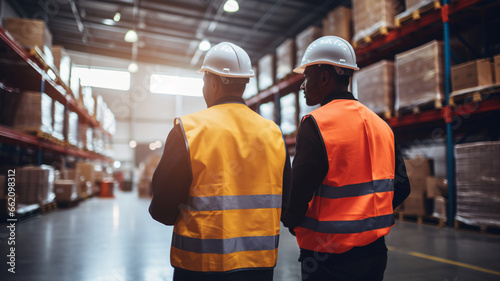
{"x": 353, "y": 206}
{"x": 232, "y": 217}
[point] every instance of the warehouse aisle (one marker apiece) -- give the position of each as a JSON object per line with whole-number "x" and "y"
{"x": 115, "y": 239}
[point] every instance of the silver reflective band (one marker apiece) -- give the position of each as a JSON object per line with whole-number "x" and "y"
{"x": 346, "y": 227}
{"x": 353, "y": 190}
{"x": 225, "y": 246}
{"x": 217, "y": 203}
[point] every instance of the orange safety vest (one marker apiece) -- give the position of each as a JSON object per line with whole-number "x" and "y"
{"x": 232, "y": 219}
{"x": 353, "y": 205}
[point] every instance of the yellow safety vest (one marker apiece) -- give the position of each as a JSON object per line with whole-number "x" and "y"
{"x": 232, "y": 219}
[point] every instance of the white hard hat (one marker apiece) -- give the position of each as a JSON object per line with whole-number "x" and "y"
{"x": 330, "y": 50}
{"x": 228, "y": 60}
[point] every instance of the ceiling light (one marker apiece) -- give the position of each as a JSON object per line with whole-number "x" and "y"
{"x": 133, "y": 67}
{"x": 152, "y": 146}
{"x": 231, "y": 6}
{"x": 117, "y": 164}
{"x": 117, "y": 17}
{"x": 204, "y": 45}
{"x": 131, "y": 36}
{"x": 132, "y": 143}
{"x": 108, "y": 22}
{"x": 158, "y": 144}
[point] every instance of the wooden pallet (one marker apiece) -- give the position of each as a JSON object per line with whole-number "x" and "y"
{"x": 382, "y": 31}
{"x": 52, "y": 206}
{"x": 481, "y": 228}
{"x": 420, "y": 219}
{"x": 416, "y": 109}
{"x": 68, "y": 204}
{"x": 475, "y": 94}
{"x": 417, "y": 14}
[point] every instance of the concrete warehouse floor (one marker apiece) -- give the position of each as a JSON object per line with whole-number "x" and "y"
{"x": 116, "y": 239}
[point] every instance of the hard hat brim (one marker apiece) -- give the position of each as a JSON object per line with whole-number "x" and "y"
{"x": 300, "y": 69}
{"x": 230, "y": 75}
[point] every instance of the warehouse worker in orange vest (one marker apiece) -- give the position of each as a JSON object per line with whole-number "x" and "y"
{"x": 220, "y": 180}
{"x": 347, "y": 176}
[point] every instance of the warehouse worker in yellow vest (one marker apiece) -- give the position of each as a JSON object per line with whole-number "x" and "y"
{"x": 220, "y": 180}
{"x": 348, "y": 173}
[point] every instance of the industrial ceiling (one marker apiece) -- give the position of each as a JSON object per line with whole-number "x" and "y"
{"x": 170, "y": 31}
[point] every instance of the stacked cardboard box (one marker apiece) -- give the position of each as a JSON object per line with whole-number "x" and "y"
{"x": 72, "y": 128}
{"x": 412, "y": 5}
{"x": 62, "y": 62}
{"x": 58, "y": 120}
{"x": 496, "y": 68}
{"x": 418, "y": 170}
{"x": 371, "y": 15}
{"x": 35, "y": 185}
{"x": 34, "y": 113}
{"x": 375, "y": 86}
{"x": 266, "y": 71}
{"x": 471, "y": 74}
{"x": 86, "y": 182}
{"x": 478, "y": 183}
{"x": 285, "y": 58}
{"x": 31, "y": 33}
{"x": 338, "y": 23}
{"x": 437, "y": 191}
{"x": 65, "y": 190}
{"x": 303, "y": 40}
{"x": 420, "y": 75}
{"x": 288, "y": 114}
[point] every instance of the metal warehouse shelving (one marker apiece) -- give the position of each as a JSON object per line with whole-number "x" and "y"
{"x": 397, "y": 40}
{"x": 23, "y": 70}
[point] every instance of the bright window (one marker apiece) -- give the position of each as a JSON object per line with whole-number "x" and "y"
{"x": 176, "y": 85}
{"x": 103, "y": 78}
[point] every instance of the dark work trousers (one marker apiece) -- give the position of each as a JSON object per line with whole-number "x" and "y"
{"x": 365, "y": 269}
{"x": 240, "y": 275}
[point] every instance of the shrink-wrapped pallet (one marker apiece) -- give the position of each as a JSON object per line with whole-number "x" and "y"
{"x": 31, "y": 33}
{"x": 420, "y": 76}
{"x": 88, "y": 100}
{"x": 375, "y": 87}
{"x": 288, "y": 114}
{"x": 266, "y": 71}
{"x": 34, "y": 113}
{"x": 372, "y": 15}
{"x": 304, "y": 39}
{"x": 89, "y": 137}
{"x": 66, "y": 190}
{"x": 478, "y": 183}
{"x": 58, "y": 120}
{"x": 72, "y": 129}
{"x": 338, "y": 23}
{"x": 35, "y": 185}
{"x": 285, "y": 58}
{"x": 99, "y": 108}
{"x": 62, "y": 62}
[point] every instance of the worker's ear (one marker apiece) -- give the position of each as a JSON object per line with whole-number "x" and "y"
{"x": 325, "y": 77}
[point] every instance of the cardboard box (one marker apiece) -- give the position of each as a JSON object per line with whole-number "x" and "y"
{"x": 266, "y": 71}
{"x": 30, "y": 33}
{"x": 436, "y": 187}
{"x": 415, "y": 4}
{"x": 375, "y": 86}
{"x": 496, "y": 68}
{"x": 35, "y": 184}
{"x": 338, "y": 23}
{"x": 62, "y": 62}
{"x": 371, "y": 15}
{"x": 420, "y": 75}
{"x": 86, "y": 172}
{"x": 418, "y": 169}
{"x": 34, "y": 113}
{"x": 285, "y": 58}
{"x": 65, "y": 190}
{"x": 304, "y": 39}
{"x": 144, "y": 188}
{"x": 471, "y": 74}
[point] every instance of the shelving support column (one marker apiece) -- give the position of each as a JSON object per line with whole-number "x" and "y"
{"x": 450, "y": 143}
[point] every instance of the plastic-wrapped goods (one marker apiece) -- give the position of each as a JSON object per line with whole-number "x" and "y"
{"x": 34, "y": 113}
{"x": 420, "y": 75}
{"x": 89, "y": 136}
{"x": 65, "y": 190}
{"x": 304, "y": 109}
{"x": 285, "y": 58}
{"x": 72, "y": 128}
{"x": 375, "y": 86}
{"x": 88, "y": 100}
{"x": 338, "y": 23}
{"x": 439, "y": 208}
{"x": 267, "y": 110}
{"x": 413, "y": 5}
{"x": 62, "y": 62}
{"x": 98, "y": 108}
{"x": 304, "y": 39}
{"x": 471, "y": 74}
{"x": 58, "y": 120}
{"x": 109, "y": 122}
{"x": 86, "y": 182}
{"x": 251, "y": 88}
{"x": 31, "y": 33}
{"x": 76, "y": 88}
{"x": 35, "y": 185}
{"x": 478, "y": 183}
{"x": 372, "y": 15}
{"x": 266, "y": 71}
{"x": 98, "y": 138}
{"x": 82, "y": 135}
{"x": 288, "y": 117}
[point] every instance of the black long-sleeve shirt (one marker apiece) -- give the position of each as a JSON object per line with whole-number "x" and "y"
{"x": 310, "y": 167}
{"x": 173, "y": 176}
